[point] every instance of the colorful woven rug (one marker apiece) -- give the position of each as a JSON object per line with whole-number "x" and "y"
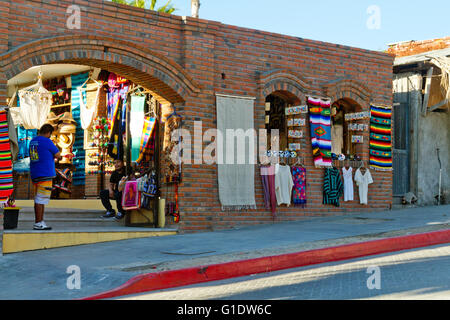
{"x": 380, "y": 138}
{"x": 6, "y": 172}
{"x": 320, "y": 121}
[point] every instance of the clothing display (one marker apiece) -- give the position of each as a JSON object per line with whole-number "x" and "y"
{"x": 283, "y": 184}
{"x": 363, "y": 181}
{"x": 268, "y": 182}
{"x": 6, "y": 174}
{"x": 146, "y": 137}
{"x": 299, "y": 189}
{"x": 320, "y": 122}
{"x": 89, "y": 106}
{"x": 347, "y": 174}
{"x": 333, "y": 187}
{"x": 380, "y": 138}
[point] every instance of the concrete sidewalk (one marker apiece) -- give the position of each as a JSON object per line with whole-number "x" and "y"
{"x": 106, "y": 266}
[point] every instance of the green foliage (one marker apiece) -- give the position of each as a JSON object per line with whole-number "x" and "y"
{"x": 167, "y": 8}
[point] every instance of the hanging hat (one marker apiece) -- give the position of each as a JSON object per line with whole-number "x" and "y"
{"x": 67, "y": 117}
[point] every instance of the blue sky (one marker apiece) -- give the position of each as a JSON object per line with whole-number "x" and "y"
{"x": 338, "y": 21}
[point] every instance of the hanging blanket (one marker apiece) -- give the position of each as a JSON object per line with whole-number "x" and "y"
{"x": 6, "y": 174}
{"x": 147, "y": 132}
{"x": 380, "y": 138}
{"x": 236, "y": 181}
{"x": 131, "y": 198}
{"x": 320, "y": 121}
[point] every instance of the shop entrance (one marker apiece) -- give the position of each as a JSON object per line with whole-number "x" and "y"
{"x": 100, "y": 117}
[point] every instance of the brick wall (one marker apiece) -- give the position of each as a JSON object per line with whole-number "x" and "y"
{"x": 186, "y": 61}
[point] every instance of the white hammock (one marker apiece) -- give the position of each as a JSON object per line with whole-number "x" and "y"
{"x": 35, "y": 103}
{"x": 88, "y": 112}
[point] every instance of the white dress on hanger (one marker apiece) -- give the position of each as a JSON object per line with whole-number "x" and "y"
{"x": 283, "y": 184}
{"x": 363, "y": 181}
{"x": 348, "y": 183}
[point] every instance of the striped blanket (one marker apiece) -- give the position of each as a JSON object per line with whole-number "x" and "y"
{"x": 380, "y": 138}
{"x": 320, "y": 121}
{"x": 6, "y": 174}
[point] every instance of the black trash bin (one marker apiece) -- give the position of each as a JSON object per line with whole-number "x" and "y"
{"x": 10, "y": 218}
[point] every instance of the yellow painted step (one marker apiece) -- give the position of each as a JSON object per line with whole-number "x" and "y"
{"x": 19, "y": 240}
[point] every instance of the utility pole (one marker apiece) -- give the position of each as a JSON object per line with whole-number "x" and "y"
{"x": 195, "y": 6}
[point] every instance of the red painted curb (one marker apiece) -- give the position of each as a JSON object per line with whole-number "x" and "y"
{"x": 177, "y": 278}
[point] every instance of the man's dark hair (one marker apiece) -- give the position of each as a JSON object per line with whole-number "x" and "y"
{"x": 46, "y": 128}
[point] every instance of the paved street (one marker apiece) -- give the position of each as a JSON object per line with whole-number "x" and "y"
{"x": 413, "y": 274}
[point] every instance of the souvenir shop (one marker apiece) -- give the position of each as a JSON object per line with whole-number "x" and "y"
{"x": 99, "y": 117}
{"x": 336, "y": 141}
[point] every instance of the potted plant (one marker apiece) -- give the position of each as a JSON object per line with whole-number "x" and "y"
{"x": 10, "y": 215}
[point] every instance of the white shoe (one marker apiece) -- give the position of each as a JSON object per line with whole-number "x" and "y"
{"x": 41, "y": 226}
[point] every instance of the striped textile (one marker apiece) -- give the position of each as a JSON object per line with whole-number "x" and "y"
{"x": 333, "y": 187}
{"x": 380, "y": 138}
{"x": 6, "y": 171}
{"x": 79, "y": 174}
{"x": 147, "y": 132}
{"x": 320, "y": 122}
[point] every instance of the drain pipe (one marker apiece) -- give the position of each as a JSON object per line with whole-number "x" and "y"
{"x": 440, "y": 177}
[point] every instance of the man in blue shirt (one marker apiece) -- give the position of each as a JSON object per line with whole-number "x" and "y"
{"x": 42, "y": 168}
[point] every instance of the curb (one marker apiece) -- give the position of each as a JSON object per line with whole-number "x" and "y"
{"x": 183, "y": 277}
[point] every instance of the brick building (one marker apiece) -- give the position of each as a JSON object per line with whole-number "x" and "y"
{"x": 186, "y": 62}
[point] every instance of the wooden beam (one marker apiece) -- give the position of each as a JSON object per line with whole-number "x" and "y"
{"x": 438, "y": 105}
{"x": 427, "y": 90}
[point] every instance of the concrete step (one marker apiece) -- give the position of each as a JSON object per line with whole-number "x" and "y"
{"x": 22, "y": 239}
{"x": 57, "y": 222}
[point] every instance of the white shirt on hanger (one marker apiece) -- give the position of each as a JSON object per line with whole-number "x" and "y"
{"x": 363, "y": 181}
{"x": 283, "y": 184}
{"x": 348, "y": 183}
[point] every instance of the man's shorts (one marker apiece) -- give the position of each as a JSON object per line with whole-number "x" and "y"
{"x": 42, "y": 191}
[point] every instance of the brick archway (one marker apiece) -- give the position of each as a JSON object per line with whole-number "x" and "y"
{"x": 349, "y": 89}
{"x": 284, "y": 81}
{"x": 166, "y": 78}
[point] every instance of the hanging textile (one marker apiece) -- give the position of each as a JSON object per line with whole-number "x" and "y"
{"x": 78, "y": 146}
{"x": 236, "y": 181}
{"x": 320, "y": 121}
{"x": 6, "y": 173}
{"x": 147, "y": 132}
{"x": 380, "y": 138}
{"x": 137, "y": 119}
{"x": 283, "y": 184}
{"x": 333, "y": 187}
{"x": 115, "y": 139}
{"x": 89, "y": 106}
{"x": 299, "y": 189}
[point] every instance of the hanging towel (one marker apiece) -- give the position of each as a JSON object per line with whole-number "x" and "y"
{"x": 6, "y": 172}
{"x": 236, "y": 181}
{"x": 137, "y": 120}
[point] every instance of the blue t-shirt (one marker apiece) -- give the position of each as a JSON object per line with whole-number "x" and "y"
{"x": 42, "y": 152}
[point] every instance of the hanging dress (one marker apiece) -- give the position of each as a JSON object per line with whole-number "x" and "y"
{"x": 299, "y": 189}
{"x": 348, "y": 183}
{"x": 363, "y": 181}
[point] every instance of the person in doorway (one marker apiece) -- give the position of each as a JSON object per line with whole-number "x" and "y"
{"x": 43, "y": 153}
{"x": 113, "y": 192}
